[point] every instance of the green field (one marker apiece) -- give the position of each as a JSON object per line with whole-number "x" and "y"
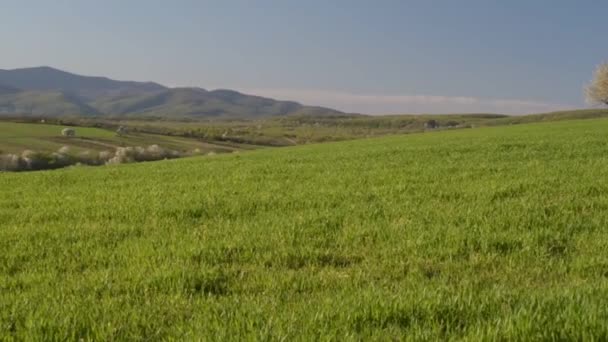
{"x": 305, "y": 129}
{"x": 17, "y": 137}
{"x": 493, "y": 233}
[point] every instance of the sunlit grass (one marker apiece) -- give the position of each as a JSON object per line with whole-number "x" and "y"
{"x": 492, "y": 233}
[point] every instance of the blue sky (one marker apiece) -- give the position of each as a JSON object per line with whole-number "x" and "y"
{"x": 378, "y": 56}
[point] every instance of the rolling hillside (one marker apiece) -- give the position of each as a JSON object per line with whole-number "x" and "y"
{"x": 47, "y": 78}
{"x": 4, "y": 90}
{"x": 39, "y": 103}
{"x": 45, "y": 91}
{"x": 311, "y": 128}
{"x": 195, "y": 102}
{"x": 495, "y": 233}
{"x": 19, "y": 137}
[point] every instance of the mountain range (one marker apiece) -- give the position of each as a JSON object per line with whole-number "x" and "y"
{"x": 49, "y": 92}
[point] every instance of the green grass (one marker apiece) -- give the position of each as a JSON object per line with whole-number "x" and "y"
{"x": 305, "y": 129}
{"x": 482, "y": 234}
{"x": 17, "y": 137}
{"x": 554, "y": 116}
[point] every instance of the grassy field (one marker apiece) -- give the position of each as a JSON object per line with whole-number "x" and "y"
{"x": 494, "y": 233}
{"x": 17, "y": 137}
{"x": 305, "y": 129}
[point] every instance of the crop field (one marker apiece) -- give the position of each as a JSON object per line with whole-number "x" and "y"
{"x": 17, "y": 137}
{"x": 496, "y": 233}
{"x": 306, "y": 129}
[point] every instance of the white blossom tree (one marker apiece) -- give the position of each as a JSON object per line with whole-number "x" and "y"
{"x": 597, "y": 91}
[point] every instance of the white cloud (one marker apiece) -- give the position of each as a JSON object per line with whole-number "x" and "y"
{"x": 407, "y": 104}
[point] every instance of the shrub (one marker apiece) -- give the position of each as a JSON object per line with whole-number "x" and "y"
{"x": 139, "y": 154}
{"x": 31, "y": 160}
{"x": 10, "y": 162}
{"x": 68, "y": 132}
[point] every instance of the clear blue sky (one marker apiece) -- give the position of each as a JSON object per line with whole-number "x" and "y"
{"x": 368, "y": 56}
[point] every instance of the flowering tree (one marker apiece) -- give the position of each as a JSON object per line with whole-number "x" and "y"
{"x": 597, "y": 91}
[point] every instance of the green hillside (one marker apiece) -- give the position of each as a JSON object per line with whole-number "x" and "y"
{"x": 17, "y": 137}
{"x": 579, "y": 114}
{"x": 483, "y": 234}
{"x": 312, "y": 128}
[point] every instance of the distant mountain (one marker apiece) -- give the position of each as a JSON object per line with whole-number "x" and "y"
{"x": 44, "y": 103}
{"x": 196, "y": 102}
{"x": 7, "y": 90}
{"x": 51, "y": 92}
{"x": 46, "y": 78}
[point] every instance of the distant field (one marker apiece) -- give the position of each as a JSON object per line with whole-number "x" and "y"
{"x": 490, "y": 234}
{"x": 306, "y": 129}
{"x": 17, "y": 137}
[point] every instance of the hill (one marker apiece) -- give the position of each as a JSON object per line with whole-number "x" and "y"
{"x": 580, "y": 114}
{"x": 7, "y": 90}
{"x": 46, "y": 138}
{"x": 196, "y": 102}
{"x": 311, "y": 128}
{"x": 65, "y": 93}
{"x": 47, "y": 78}
{"x": 496, "y": 233}
{"x": 44, "y": 103}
